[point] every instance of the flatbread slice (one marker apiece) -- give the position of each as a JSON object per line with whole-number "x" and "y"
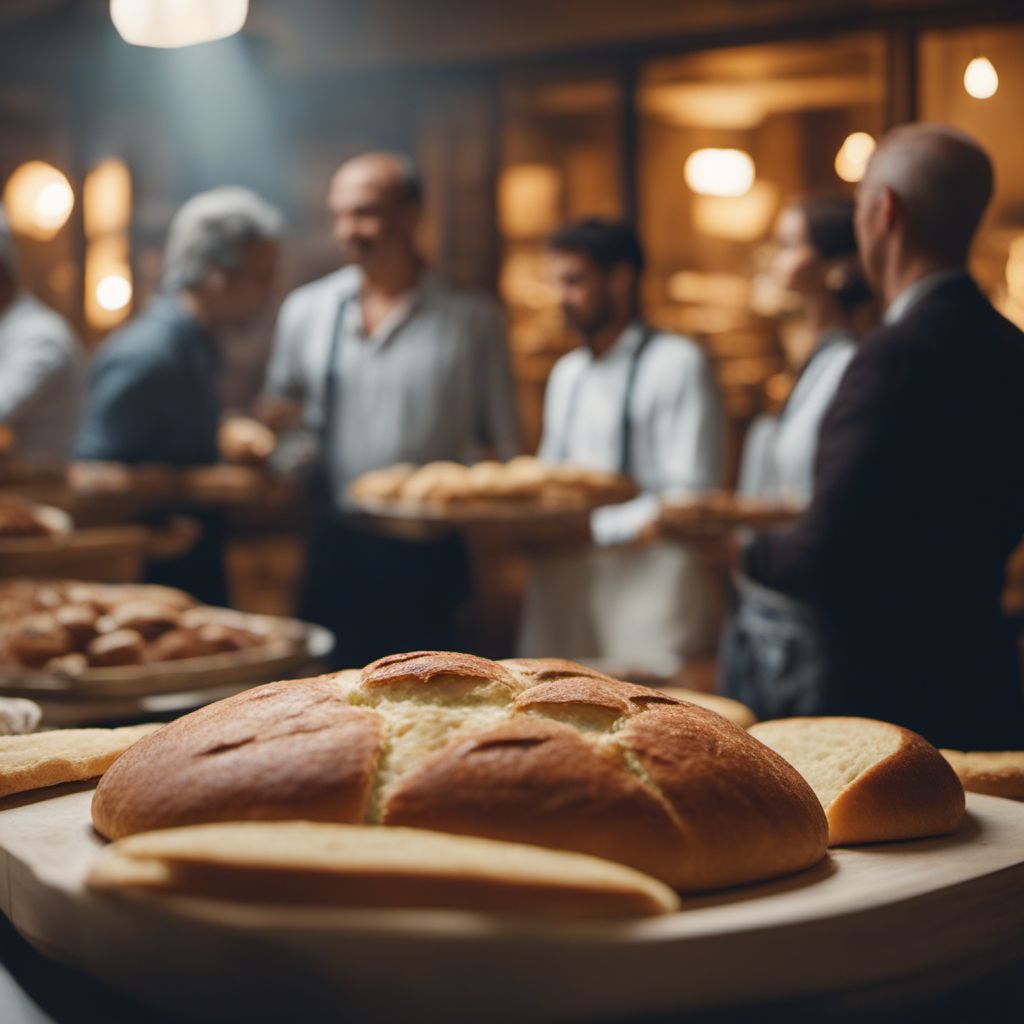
{"x": 301, "y": 862}
{"x": 63, "y": 755}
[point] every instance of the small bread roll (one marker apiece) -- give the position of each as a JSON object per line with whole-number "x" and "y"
{"x": 36, "y": 639}
{"x": 437, "y": 483}
{"x": 877, "y": 782}
{"x": 995, "y": 772}
{"x": 221, "y": 637}
{"x": 21, "y": 519}
{"x": 246, "y": 441}
{"x": 382, "y": 484}
{"x": 79, "y": 620}
{"x": 122, "y": 647}
{"x": 73, "y": 664}
{"x": 149, "y": 618}
{"x": 177, "y": 644}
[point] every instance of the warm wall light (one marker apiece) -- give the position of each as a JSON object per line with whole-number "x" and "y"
{"x": 529, "y": 200}
{"x": 980, "y": 78}
{"x": 170, "y": 23}
{"x": 738, "y": 218}
{"x": 108, "y": 282}
{"x": 719, "y": 172}
{"x": 853, "y": 156}
{"x": 38, "y": 199}
{"x": 107, "y": 199}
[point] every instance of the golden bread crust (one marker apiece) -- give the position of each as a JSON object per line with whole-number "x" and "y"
{"x": 995, "y": 772}
{"x": 284, "y": 750}
{"x": 460, "y": 744}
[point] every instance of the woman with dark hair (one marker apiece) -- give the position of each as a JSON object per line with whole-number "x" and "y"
{"x": 815, "y": 268}
{"x": 772, "y": 655}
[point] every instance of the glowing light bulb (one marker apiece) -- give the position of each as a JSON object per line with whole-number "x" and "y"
{"x": 719, "y": 172}
{"x": 113, "y": 292}
{"x": 980, "y": 79}
{"x": 853, "y": 156}
{"x": 39, "y": 199}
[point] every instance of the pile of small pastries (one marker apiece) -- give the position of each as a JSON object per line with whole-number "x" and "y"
{"x": 69, "y": 627}
{"x": 524, "y": 481}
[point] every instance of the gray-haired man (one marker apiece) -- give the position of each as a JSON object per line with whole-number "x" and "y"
{"x": 153, "y": 393}
{"x": 42, "y": 367}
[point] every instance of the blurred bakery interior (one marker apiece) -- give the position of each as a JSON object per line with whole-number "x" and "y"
{"x": 696, "y": 121}
{"x": 425, "y": 399}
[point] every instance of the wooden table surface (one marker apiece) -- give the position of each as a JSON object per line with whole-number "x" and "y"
{"x": 873, "y": 929}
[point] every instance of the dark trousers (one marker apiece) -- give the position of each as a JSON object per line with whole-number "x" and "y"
{"x": 380, "y": 595}
{"x": 201, "y": 571}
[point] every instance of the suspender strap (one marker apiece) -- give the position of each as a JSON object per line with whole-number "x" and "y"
{"x": 329, "y": 409}
{"x": 625, "y": 460}
{"x": 626, "y": 431}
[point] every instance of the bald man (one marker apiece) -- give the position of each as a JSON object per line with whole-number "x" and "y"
{"x": 391, "y": 364}
{"x": 898, "y": 563}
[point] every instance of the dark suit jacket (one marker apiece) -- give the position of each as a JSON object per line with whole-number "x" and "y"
{"x": 153, "y": 392}
{"x": 918, "y": 501}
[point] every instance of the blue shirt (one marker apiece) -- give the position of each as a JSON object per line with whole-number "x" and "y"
{"x": 153, "y": 392}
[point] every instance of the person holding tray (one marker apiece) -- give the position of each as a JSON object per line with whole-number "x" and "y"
{"x": 153, "y": 388}
{"x": 899, "y": 564}
{"x": 389, "y": 363}
{"x": 644, "y": 402}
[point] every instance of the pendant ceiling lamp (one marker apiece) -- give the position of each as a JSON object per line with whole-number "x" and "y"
{"x": 171, "y": 23}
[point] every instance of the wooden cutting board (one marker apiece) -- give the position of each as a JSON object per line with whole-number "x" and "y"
{"x": 923, "y": 914}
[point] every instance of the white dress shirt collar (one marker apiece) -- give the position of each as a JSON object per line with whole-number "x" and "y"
{"x": 623, "y": 346}
{"x": 907, "y": 299}
{"x": 404, "y": 308}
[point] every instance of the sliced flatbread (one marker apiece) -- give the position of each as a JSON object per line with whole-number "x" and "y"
{"x": 376, "y": 866}
{"x": 877, "y": 781}
{"x": 996, "y": 772}
{"x": 64, "y": 755}
{"x": 728, "y": 708}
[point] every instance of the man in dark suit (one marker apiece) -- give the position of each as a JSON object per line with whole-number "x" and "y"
{"x": 919, "y": 482}
{"x": 154, "y": 384}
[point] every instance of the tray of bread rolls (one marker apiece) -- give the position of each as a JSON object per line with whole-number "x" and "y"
{"x": 523, "y": 493}
{"x": 86, "y": 651}
{"x": 715, "y": 513}
{"x": 518, "y": 841}
{"x": 100, "y": 489}
{"x": 28, "y": 526}
{"x": 239, "y": 479}
{"x": 40, "y": 540}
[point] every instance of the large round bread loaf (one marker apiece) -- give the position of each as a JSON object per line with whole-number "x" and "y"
{"x": 459, "y": 744}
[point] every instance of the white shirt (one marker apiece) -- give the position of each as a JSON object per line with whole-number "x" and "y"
{"x": 42, "y": 379}
{"x": 779, "y": 451}
{"x": 914, "y": 293}
{"x": 431, "y": 382}
{"x": 646, "y": 605}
